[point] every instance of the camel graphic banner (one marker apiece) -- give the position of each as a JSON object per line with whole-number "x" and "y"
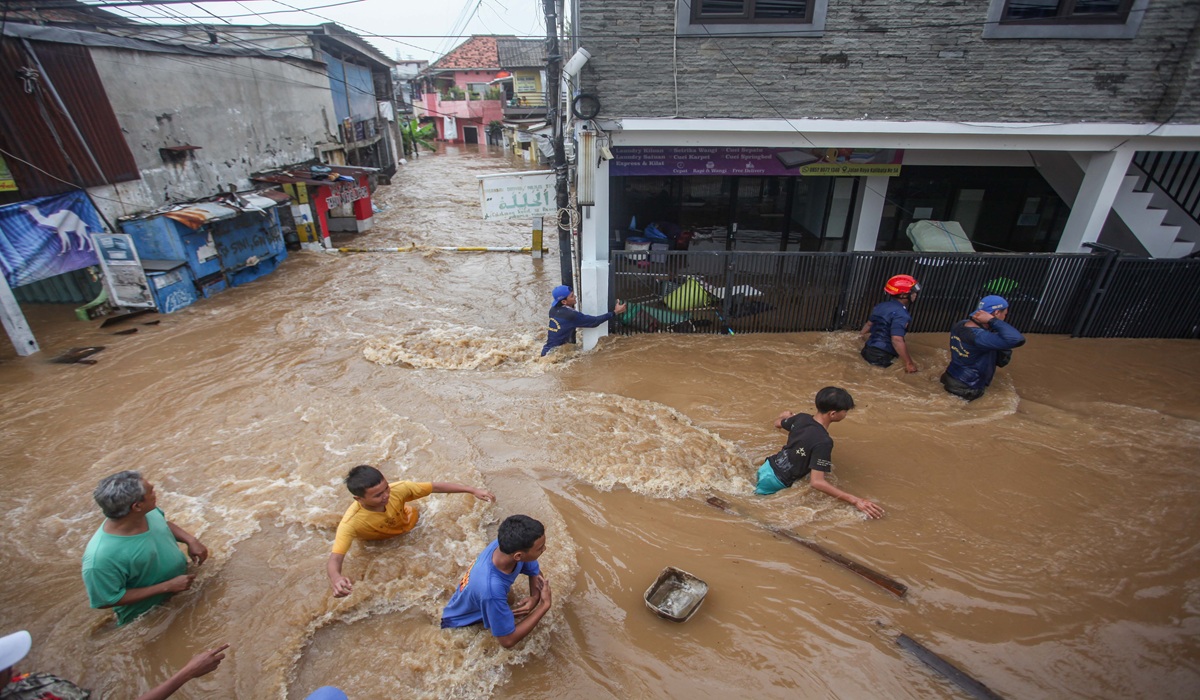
{"x": 47, "y": 236}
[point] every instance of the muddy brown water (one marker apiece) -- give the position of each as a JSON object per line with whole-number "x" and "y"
{"x": 1047, "y": 532}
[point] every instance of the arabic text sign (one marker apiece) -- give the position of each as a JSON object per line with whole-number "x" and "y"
{"x": 517, "y": 195}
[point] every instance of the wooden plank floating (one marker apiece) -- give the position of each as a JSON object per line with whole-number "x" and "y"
{"x": 888, "y": 584}
{"x": 951, "y": 672}
{"x": 78, "y": 355}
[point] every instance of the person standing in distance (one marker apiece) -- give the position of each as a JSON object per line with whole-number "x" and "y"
{"x": 564, "y": 319}
{"x": 978, "y": 345}
{"x": 888, "y": 323}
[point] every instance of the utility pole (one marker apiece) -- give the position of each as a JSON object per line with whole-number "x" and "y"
{"x": 554, "y": 63}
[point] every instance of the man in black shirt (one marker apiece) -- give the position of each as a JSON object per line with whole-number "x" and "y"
{"x": 809, "y": 451}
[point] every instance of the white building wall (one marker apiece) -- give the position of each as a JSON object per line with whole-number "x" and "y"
{"x": 245, "y": 114}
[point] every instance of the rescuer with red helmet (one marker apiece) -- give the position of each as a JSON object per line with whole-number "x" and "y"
{"x": 885, "y": 329}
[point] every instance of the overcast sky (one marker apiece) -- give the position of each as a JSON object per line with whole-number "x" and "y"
{"x": 419, "y": 29}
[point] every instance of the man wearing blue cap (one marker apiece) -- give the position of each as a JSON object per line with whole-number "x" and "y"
{"x": 564, "y": 319}
{"x": 978, "y": 345}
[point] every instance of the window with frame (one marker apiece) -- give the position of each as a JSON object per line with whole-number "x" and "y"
{"x": 792, "y": 18}
{"x": 1067, "y": 11}
{"x": 746, "y": 11}
{"x": 1064, "y": 19}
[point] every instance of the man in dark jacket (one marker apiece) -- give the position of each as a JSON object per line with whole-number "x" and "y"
{"x": 564, "y": 319}
{"x": 978, "y": 345}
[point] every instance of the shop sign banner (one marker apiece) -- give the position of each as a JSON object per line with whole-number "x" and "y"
{"x": 123, "y": 273}
{"x": 760, "y": 161}
{"x": 345, "y": 193}
{"x": 47, "y": 236}
{"x": 517, "y": 195}
{"x": 7, "y": 183}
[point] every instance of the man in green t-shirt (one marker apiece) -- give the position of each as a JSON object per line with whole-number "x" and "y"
{"x": 133, "y": 561}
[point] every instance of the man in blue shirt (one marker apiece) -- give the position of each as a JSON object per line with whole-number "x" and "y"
{"x": 978, "y": 345}
{"x": 888, "y": 324}
{"x": 482, "y": 594}
{"x": 564, "y": 319}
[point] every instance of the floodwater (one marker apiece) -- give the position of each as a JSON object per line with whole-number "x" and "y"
{"x": 1047, "y": 532}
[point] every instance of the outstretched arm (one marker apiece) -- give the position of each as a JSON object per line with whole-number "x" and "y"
{"x": 203, "y": 663}
{"x": 582, "y": 320}
{"x": 342, "y": 585}
{"x": 782, "y": 417}
{"x": 866, "y": 330}
{"x": 451, "y": 487}
{"x": 817, "y": 479}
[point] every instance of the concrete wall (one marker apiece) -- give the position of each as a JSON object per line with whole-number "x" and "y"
{"x": 246, "y": 114}
{"x": 893, "y": 60}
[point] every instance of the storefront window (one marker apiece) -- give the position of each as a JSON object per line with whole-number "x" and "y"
{"x": 1000, "y": 209}
{"x": 736, "y": 212}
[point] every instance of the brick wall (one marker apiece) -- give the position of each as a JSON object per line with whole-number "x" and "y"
{"x": 880, "y": 59}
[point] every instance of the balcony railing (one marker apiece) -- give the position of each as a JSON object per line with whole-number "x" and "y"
{"x": 526, "y": 101}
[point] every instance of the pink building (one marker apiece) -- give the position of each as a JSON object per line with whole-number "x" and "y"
{"x": 460, "y": 97}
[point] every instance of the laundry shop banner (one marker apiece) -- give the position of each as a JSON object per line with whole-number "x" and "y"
{"x": 47, "y": 236}
{"x": 734, "y": 160}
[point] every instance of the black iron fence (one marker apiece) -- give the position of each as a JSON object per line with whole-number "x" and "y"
{"x": 1094, "y": 295}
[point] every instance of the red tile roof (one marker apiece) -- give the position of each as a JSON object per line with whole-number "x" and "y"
{"x": 477, "y": 52}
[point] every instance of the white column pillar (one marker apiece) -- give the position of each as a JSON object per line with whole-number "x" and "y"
{"x": 593, "y": 265}
{"x": 1101, "y": 182}
{"x": 14, "y": 321}
{"x": 869, "y": 212}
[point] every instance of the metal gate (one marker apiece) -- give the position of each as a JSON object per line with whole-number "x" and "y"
{"x": 1096, "y": 294}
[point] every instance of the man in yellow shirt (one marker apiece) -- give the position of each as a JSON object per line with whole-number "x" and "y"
{"x": 381, "y": 510}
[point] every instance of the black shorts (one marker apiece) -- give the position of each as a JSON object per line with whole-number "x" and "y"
{"x": 959, "y": 389}
{"x": 877, "y": 357}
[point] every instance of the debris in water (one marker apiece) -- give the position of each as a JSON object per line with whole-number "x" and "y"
{"x": 77, "y": 355}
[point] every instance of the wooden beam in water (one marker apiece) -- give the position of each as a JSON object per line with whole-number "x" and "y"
{"x": 888, "y": 584}
{"x": 951, "y": 672}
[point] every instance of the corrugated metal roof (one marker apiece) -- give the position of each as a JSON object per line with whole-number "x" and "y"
{"x": 521, "y": 53}
{"x": 196, "y": 215}
{"x": 303, "y": 175}
{"x": 34, "y": 124}
{"x": 63, "y": 35}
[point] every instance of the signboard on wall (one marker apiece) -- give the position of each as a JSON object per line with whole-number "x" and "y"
{"x": 760, "y": 161}
{"x": 517, "y": 195}
{"x": 123, "y": 273}
{"x": 524, "y": 83}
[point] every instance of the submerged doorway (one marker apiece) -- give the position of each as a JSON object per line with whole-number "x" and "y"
{"x": 471, "y": 134}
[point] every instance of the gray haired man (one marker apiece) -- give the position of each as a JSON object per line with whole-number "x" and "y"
{"x": 133, "y": 561}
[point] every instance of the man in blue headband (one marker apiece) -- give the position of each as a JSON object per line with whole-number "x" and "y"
{"x": 564, "y": 319}
{"x": 978, "y": 345}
